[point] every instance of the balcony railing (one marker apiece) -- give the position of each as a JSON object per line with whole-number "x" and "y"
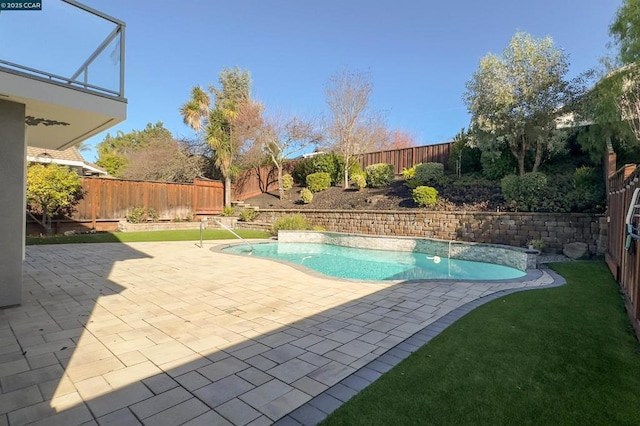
{"x": 65, "y": 43}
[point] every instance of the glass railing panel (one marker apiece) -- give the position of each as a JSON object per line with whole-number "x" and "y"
{"x": 64, "y": 43}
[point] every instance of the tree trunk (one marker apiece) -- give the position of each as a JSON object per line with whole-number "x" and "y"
{"x": 346, "y": 172}
{"x": 280, "y": 189}
{"x": 227, "y": 191}
{"x": 519, "y": 154}
{"x": 46, "y": 224}
{"x": 539, "y": 154}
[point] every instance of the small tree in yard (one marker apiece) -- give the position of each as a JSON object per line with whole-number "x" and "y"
{"x": 284, "y": 137}
{"x": 352, "y": 128}
{"x": 514, "y": 99}
{"x": 51, "y": 190}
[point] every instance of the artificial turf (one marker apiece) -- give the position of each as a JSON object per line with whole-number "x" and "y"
{"x": 131, "y": 237}
{"x": 564, "y": 355}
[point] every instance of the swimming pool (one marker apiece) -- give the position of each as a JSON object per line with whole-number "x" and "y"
{"x": 369, "y": 264}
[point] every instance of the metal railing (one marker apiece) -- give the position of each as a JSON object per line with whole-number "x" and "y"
{"x": 23, "y": 48}
{"x": 211, "y": 219}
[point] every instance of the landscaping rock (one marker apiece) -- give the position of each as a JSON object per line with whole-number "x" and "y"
{"x": 69, "y": 233}
{"x": 575, "y": 250}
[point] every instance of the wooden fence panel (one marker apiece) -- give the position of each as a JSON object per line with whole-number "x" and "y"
{"x": 405, "y": 158}
{"x": 112, "y": 199}
{"x": 208, "y": 197}
{"x": 624, "y": 264}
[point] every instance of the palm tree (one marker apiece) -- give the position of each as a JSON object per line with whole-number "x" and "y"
{"x": 217, "y": 121}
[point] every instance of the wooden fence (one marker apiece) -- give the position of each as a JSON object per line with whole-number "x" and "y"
{"x": 258, "y": 181}
{"x": 624, "y": 262}
{"x": 112, "y": 199}
{"x": 405, "y": 158}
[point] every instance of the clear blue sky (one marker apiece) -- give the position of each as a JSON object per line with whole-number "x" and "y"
{"x": 419, "y": 53}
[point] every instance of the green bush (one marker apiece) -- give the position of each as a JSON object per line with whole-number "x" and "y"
{"x": 317, "y": 182}
{"x": 410, "y": 173}
{"x": 137, "y": 215}
{"x": 153, "y": 215}
{"x": 248, "y": 215}
{"x": 525, "y": 193}
{"x": 588, "y": 189}
{"x": 379, "y": 175}
{"x": 327, "y": 163}
{"x": 332, "y": 163}
{"x": 228, "y": 211}
{"x": 469, "y": 157}
{"x": 294, "y": 222}
{"x": 302, "y": 169}
{"x": 359, "y": 180}
{"x": 306, "y": 196}
{"x": 140, "y": 215}
{"x": 496, "y": 165}
{"x": 429, "y": 173}
{"x": 287, "y": 182}
{"x": 425, "y": 196}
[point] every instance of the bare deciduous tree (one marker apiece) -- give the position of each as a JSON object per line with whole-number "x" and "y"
{"x": 281, "y": 138}
{"x": 401, "y": 139}
{"x": 165, "y": 160}
{"x": 352, "y": 128}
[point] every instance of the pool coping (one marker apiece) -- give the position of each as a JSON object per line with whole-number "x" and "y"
{"x": 322, "y": 405}
{"x": 530, "y": 274}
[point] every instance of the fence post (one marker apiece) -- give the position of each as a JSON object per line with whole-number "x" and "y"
{"x": 94, "y": 200}
{"x": 194, "y": 198}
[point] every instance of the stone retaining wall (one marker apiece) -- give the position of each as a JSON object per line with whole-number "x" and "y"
{"x": 513, "y": 229}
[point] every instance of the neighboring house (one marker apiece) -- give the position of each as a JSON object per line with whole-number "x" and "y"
{"x": 70, "y": 157}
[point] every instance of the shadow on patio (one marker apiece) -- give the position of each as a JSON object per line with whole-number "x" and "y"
{"x": 167, "y": 333}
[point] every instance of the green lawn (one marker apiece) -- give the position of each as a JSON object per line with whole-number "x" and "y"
{"x": 558, "y": 356}
{"x": 133, "y": 237}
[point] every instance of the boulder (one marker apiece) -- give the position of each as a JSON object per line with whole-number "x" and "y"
{"x": 69, "y": 233}
{"x": 575, "y": 250}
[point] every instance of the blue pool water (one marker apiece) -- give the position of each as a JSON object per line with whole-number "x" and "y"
{"x": 365, "y": 264}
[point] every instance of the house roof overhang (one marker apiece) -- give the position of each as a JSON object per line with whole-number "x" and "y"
{"x": 60, "y": 115}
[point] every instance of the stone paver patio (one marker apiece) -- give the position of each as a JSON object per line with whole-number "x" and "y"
{"x": 168, "y": 334}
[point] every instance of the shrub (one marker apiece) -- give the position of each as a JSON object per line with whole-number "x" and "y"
{"x": 429, "y": 173}
{"x": 425, "y": 196}
{"x": 588, "y": 189}
{"x": 359, "y": 180}
{"x": 287, "y": 182}
{"x": 379, "y": 175}
{"x": 248, "y": 215}
{"x": 317, "y": 182}
{"x": 537, "y": 245}
{"x": 496, "y": 165}
{"x": 228, "y": 211}
{"x": 330, "y": 163}
{"x": 302, "y": 170}
{"x": 525, "y": 193}
{"x": 140, "y": 215}
{"x": 294, "y": 222}
{"x": 306, "y": 196}
{"x": 469, "y": 157}
{"x": 137, "y": 215}
{"x": 152, "y": 215}
{"x": 410, "y": 173}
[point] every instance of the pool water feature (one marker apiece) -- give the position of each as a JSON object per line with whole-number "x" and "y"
{"x": 370, "y": 264}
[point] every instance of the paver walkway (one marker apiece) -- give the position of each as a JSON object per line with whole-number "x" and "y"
{"x": 168, "y": 333}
